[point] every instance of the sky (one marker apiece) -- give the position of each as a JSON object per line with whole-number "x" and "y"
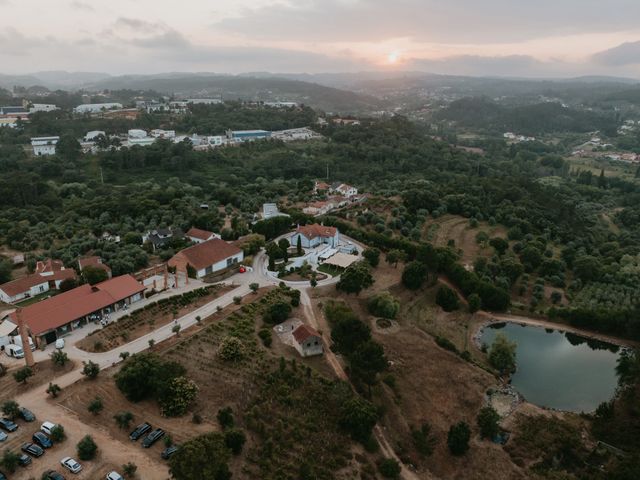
{"x": 541, "y": 38}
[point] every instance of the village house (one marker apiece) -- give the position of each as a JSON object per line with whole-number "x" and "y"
{"x": 44, "y": 145}
{"x": 314, "y": 235}
{"x": 208, "y": 257}
{"x": 197, "y": 235}
{"x": 318, "y": 208}
{"x": 48, "y": 276}
{"x": 57, "y": 316}
{"x": 307, "y": 341}
{"x": 270, "y": 210}
{"x": 344, "y": 190}
{"x": 160, "y": 237}
{"x": 320, "y": 186}
{"x": 95, "y": 262}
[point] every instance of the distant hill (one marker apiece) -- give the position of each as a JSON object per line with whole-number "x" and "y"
{"x": 535, "y": 119}
{"x": 247, "y": 88}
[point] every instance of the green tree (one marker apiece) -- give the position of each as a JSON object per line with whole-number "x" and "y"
{"x": 90, "y": 369}
{"x": 254, "y": 287}
{"x": 389, "y": 468}
{"x": 178, "y": 397}
{"x": 502, "y": 354}
{"x": 357, "y": 418}
{"x": 447, "y": 299}
{"x": 21, "y": 375}
{"x": 10, "y": 461}
{"x": 205, "y": 456}
{"x": 123, "y": 419}
{"x": 129, "y": 469}
{"x": 355, "y": 278}
{"x": 6, "y": 270}
{"x": 475, "y": 303}
{"x": 87, "y": 448}
{"x": 58, "y": 434}
{"x": 146, "y": 375}
{"x": 348, "y": 333}
{"x": 68, "y": 284}
{"x": 367, "y": 361}
{"x": 414, "y": 275}
{"x": 59, "y": 358}
{"x": 499, "y": 244}
{"x": 372, "y": 255}
{"x": 423, "y": 439}
{"x": 488, "y": 420}
{"x": 299, "y": 245}
{"x": 395, "y": 256}
{"x": 96, "y": 406}
{"x": 458, "y": 438}
{"x": 53, "y": 389}
{"x": 94, "y": 275}
{"x": 225, "y": 418}
{"x": 11, "y": 409}
{"x": 68, "y": 147}
{"x": 234, "y": 440}
{"x": 277, "y": 312}
{"x": 383, "y": 305}
{"x": 231, "y": 349}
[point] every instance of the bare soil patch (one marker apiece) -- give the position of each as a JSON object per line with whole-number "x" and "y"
{"x": 44, "y": 372}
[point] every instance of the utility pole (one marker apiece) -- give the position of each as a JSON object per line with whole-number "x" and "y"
{"x": 101, "y": 176}
{"x": 24, "y": 336}
{"x": 327, "y": 171}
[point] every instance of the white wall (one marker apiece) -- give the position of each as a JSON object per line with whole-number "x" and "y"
{"x": 221, "y": 265}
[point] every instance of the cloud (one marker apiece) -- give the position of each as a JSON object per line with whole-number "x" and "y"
{"x": 625, "y": 54}
{"x": 454, "y": 21}
{"x": 15, "y": 43}
{"x": 78, "y": 5}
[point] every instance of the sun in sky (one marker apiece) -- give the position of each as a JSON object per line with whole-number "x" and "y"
{"x": 393, "y": 58}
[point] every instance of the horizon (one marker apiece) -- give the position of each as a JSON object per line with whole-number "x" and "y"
{"x": 335, "y": 36}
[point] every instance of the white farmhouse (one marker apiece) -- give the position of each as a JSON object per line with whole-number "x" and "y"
{"x": 44, "y": 145}
{"x": 212, "y": 256}
{"x": 314, "y": 235}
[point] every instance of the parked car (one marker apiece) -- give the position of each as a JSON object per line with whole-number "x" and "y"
{"x": 24, "y": 460}
{"x": 60, "y": 343}
{"x": 139, "y": 431}
{"x": 42, "y": 440}
{"x": 112, "y": 476}
{"x": 2, "y": 476}
{"x": 153, "y": 437}
{"x": 53, "y": 475}
{"x": 32, "y": 449}
{"x": 8, "y": 425}
{"x": 71, "y": 465}
{"x": 167, "y": 452}
{"x": 3, "y": 436}
{"x": 27, "y": 415}
{"x": 46, "y": 427}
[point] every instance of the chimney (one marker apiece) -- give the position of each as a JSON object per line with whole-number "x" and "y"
{"x": 24, "y": 336}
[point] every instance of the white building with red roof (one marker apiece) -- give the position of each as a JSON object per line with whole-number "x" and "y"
{"x": 307, "y": 341}
{"x": 49, "y": 275}
{"x": 197, "y": 235}
{"x": 95, "y": 262}
{"x": 207, "y": 257}
{"x": 314, "y": 235}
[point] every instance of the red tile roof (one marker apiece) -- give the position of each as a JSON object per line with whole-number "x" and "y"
{"x": 66, "y": 307}
{"x": 93, "y": 261}
{"x": 205, "y": 254}
{"x": 21, "y": 285}
{"x": 199, "y": 234}
{"x": 48, "y": 266}
{"x": 303, "y": 332}
{"x": 315, "y": 230}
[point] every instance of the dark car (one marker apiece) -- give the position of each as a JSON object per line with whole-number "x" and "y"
{"x": 139, "y": 431}
{"x": 53, "y": 475}
{"x": 24, "y": 460}
{"x": 32, "y": 449}
{"x": 167, "y": 452}
{"x": 42, "y": 440}
{"x": 153, "y": 437}
{"x": 8, "y": 425}
{"x": 2, "y": 476}
{"x": 27, "y": 415}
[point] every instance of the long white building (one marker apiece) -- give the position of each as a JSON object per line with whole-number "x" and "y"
{"x": 96, "y": 107}
{"x": 44, "y": 145}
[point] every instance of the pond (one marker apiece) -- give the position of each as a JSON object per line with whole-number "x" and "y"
{"x": 557, "y": 369}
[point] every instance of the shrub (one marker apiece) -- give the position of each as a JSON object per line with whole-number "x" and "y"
{"x": 234, "y": 440}
{"x": 423, "y": 440}
{"x": 231, "y": 349}
{"x": 447, "y": 299}
{"x": 488, "y": 422}
{"x": 58, "y": 434}
{"x": 87, "y": 448}
{"x": 414, "y": 275}
{"x": 266, "y": 337}
{"x": 178, "y": 397}
{"x": 11, "y": 409}
{"x": 389, "y": 468}
{"x": 277, "y": 312}
{"x": 96, "y": 406}
{"x": 458, "y": 438}
{"x": 225, "y": 418}
{"x": 90, "y": 369}
{"x": 10, "y": 461}
{"x": 445, "y": 343}
{"x": 23, "y": 374}
{"x": 123, "y": 419}
{"x": 59, "y": 358}
{"x": 53, "y": 389}
{"x": 383, "y": 305}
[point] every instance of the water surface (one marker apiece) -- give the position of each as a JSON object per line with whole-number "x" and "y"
{"x": 559, "y": 370}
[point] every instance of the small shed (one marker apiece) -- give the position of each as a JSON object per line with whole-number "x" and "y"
{"x": 307, "y": 341}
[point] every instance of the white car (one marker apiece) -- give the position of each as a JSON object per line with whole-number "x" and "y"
{"x": 114, "y": 476}
{"x": 46, "y": 427}
{"x": 71, "y": 465}
{"x": 3, "y": 436}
